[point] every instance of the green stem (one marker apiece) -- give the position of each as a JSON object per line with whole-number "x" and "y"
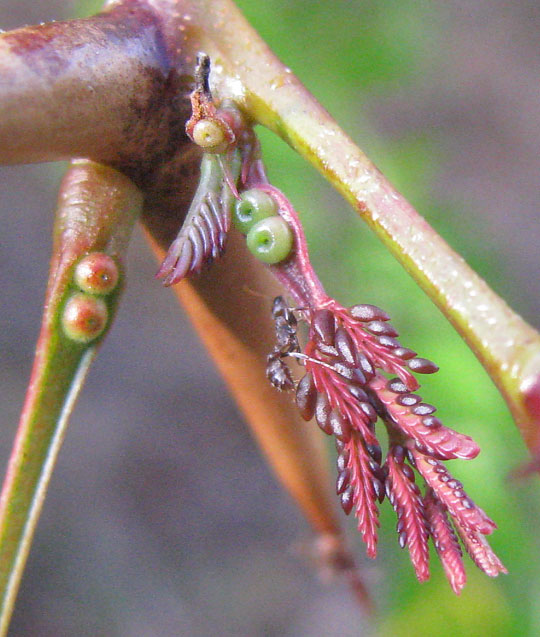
{"x": 97, "y": 209}
{"x": 22, "y": 498}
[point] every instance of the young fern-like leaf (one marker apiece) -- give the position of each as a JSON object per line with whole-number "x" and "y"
{"x": 202, "y": 236}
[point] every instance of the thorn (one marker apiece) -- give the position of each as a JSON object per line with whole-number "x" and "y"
{"x": 202, "y": 74}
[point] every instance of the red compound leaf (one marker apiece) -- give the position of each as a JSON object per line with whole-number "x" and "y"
{"x": 347, "y": 352}
{"x": 404, "y": 495}
{"x": 372, "y": 335}
{"x": 480, "y": 551}
{"x": 345, "y": 396}
{"x": 416, "y": 422}
{"x": 446, "y": 542}
{"x": 360, "y": 487}
{"x": 451, "y": 494}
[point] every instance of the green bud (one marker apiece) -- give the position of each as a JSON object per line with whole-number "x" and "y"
{"x": 270, "y": 240}
{"x": 252, "y": 206}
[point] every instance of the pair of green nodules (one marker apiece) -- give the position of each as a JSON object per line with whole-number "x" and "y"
{"x": 269, "y": 237}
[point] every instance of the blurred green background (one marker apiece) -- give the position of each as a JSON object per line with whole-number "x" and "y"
{"x": 441, "y": 97}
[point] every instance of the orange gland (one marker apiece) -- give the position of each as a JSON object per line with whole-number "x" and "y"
{"x": 84, "y": 318}
{"x": 96, "y": 273}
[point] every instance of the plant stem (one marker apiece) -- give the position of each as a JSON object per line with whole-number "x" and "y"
{"x": 22, "y": 499}
{"x": 97, "y": 209}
